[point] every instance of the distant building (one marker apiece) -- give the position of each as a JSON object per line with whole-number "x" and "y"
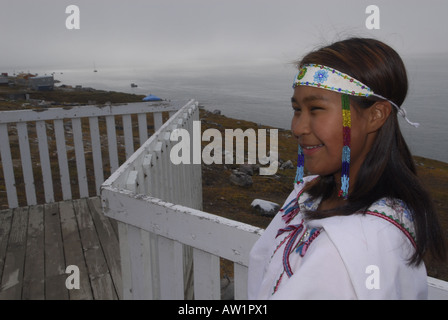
{"x": 4, "y": 80}
{"x": 41, "y": 83}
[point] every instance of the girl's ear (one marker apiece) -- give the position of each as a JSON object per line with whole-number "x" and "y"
{"x": 378, "y": 114}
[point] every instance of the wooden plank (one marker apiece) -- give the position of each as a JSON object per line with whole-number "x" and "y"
{"x": 171, "y": 269}
{"x": 168, "y": 177}
{"x": 240, "y": 281}
{"x": 147, "y": 174}
{"x": 96, "y": 151}
{"x": 5, "y": 229}
{"x": 151, "y": 269}
{"x": 125, "y": 258}
{"x": 131, "y": 181}
{"x": 142, "y": 128}
{"x": 100, "y": 277}
{"x": 112, "y": 143}
{"x": 161, "y": 171}
{"x": 41, "y": 130}
{"x": 34, "y": 274}
{"x": 12, "y": 277}
{"x": 73, "y": 251}
{"x": 55, "y": 276}
{"x": 27, "y": 168}
{"x": 197, "y": 170}
{"x": 207, "y": 285}
{"x": 158, "y": 120}
{"x": 141, "y": 289}
{"x": 158, "y": 169}
{"x": 128, "y": 136}
{"x": 80, "y": 158}
{"x": 187, "y": 171}
{"x": 8, "y": 169}
{"x": 62, "y": 159}
{"x": 109, "y": 242}
{"x": 84, "y": 111}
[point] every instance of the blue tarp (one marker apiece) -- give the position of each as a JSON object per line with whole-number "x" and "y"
{"x": 151, "y": 97}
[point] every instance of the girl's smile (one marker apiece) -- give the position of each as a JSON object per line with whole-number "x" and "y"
{"x": 309, "y": 150}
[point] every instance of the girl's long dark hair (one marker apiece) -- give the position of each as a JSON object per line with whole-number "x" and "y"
{"x": 389, "y": 169}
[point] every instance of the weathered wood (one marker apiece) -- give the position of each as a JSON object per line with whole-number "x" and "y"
{"x": 5, "y": 229}
{"x": 100, "y": 277}
{"x": 12, "y": 277}
{"x": 171, "y": 264}
{"x": 8, "y": 169}
{"x": 34, "y": 273}
{"x": 27, "y": 168}
{"x": 96, "y": 151}
{"x": 125, "y": 264}
{"x": 37, "y": 243}
{"x": 141, "y": 289}
{"x": 109, "y": 242}
{"x": 240, "y": 281}
{"x": 41, "y": 129}
{"x": 80, "y": 159}
{"x": 73, "y": 251}
{"x": 62, "y": 159}
{"x": 112, "y": 143}
{"x": 158, "y": 121}
{"x": 142, "y": 128}
{"x": 128, "y": 135}
{"x": 206, "y": 276}
{"x": 84, "y": 112}
{"x": 55, "y": 276}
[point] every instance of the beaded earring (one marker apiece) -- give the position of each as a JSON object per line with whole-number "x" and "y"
{"x": 346, "y": 130}
{"x": 300, "y": 166}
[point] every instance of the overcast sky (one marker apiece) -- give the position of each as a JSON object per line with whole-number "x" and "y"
{"x": 135, "y": 33}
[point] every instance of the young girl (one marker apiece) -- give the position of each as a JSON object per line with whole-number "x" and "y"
{"x": 358, "y": 228}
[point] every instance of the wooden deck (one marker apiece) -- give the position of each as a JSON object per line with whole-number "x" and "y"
{"x": 37, "y": 243}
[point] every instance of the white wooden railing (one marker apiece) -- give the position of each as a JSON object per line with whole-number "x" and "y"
{"x": 33, "y": 141}
{"x": 170, "y": 249}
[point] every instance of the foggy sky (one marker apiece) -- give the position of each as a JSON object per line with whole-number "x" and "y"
{"x": 158, "y": 33}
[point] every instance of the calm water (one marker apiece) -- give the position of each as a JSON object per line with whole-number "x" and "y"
{"x": 262, "y": 94}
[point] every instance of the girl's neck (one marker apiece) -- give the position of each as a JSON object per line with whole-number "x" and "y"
{"x": 332, "y": 202}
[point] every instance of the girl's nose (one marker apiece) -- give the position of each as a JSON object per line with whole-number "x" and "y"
{"x": 300, "y": 125}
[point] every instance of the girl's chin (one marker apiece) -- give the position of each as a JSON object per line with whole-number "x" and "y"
{"x": 320, "y": 172}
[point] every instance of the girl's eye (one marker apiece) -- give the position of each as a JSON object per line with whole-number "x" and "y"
{"x": 316, "y": 108}
{"x": 296, "y": 109}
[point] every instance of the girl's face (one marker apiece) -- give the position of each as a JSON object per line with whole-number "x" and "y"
{"x": 317, "y": 124}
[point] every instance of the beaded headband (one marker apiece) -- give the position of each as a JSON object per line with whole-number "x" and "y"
{"x": 319, "y": 76}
